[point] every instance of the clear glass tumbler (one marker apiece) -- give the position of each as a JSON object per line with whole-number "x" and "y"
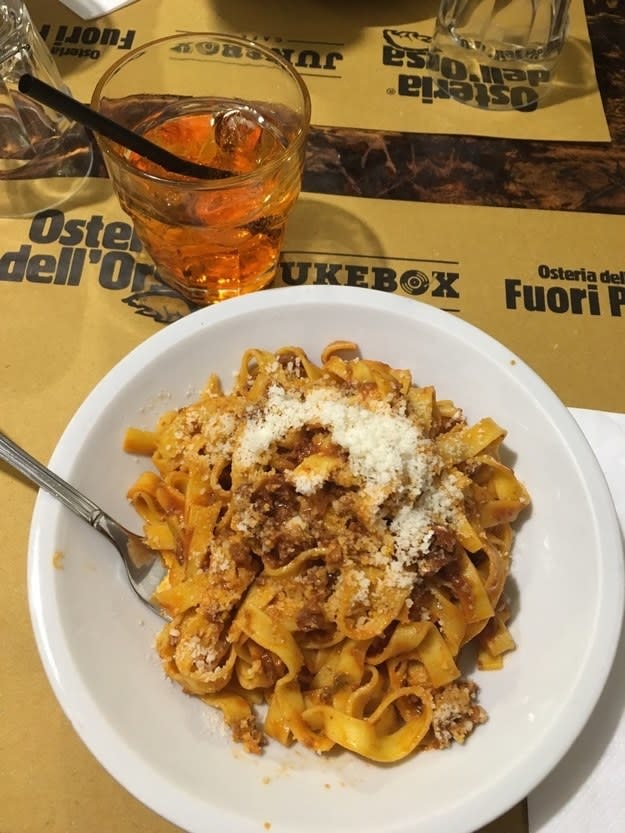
{"x": 228, "y": 103}
{"x": 498, "y": 54}
{"x": 44, "y": 157}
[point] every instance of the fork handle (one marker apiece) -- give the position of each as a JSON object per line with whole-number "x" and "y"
{"x": 41, "y": 476}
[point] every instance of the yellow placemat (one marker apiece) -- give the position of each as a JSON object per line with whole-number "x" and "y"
{"x": 77, "y": 294}
{"x": 550, "y": 285}
{"x": 364, "y": 61}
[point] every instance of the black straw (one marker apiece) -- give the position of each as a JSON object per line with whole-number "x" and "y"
{"x": 74, "y": 110}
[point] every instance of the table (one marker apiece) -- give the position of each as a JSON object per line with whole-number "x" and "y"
{"x": 501, "y": 208}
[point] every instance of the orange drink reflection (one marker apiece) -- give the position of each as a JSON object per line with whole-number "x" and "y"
{"x": 210, "y": 239}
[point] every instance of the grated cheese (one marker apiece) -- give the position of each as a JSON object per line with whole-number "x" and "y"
{"x": 307, "y": 483}
{"x": 363, "y": 583}
{"x": 381, "y": 444}
{"x": 412, "y": 526}
{"x": 386, "y": 452}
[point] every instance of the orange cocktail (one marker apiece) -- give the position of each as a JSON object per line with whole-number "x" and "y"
{"x": 210, "y": 239}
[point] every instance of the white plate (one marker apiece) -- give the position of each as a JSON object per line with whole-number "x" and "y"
{"x": 96, "y": 639}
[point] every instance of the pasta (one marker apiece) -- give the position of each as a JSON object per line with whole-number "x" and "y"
{"x": 334, "y": 535}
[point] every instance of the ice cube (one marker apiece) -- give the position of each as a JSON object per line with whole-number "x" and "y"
{"x": 237, "y": 132}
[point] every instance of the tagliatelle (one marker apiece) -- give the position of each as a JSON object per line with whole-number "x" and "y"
{"x": 334, "y": 536}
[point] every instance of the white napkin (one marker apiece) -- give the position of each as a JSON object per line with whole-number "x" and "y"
{"x": 88, "y": 9}
{"x": 585, "y": 793}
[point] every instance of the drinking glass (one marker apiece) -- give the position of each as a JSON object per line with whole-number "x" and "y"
{"x": 44, "y": 157}
{"x": 498, "y": 54}
{"x": 221, "y": 101}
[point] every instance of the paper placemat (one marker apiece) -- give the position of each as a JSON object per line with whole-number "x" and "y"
{"x": 585, "y": 791}
{"x": 363, "y": 61}
{"x": 555, "y": 298}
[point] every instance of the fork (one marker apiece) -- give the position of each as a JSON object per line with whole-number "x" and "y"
{"x": 144, "y": 567}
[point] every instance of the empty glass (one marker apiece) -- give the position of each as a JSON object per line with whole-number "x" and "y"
{"x": 43, "y": 156}
{"x": 498, "y": 54}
